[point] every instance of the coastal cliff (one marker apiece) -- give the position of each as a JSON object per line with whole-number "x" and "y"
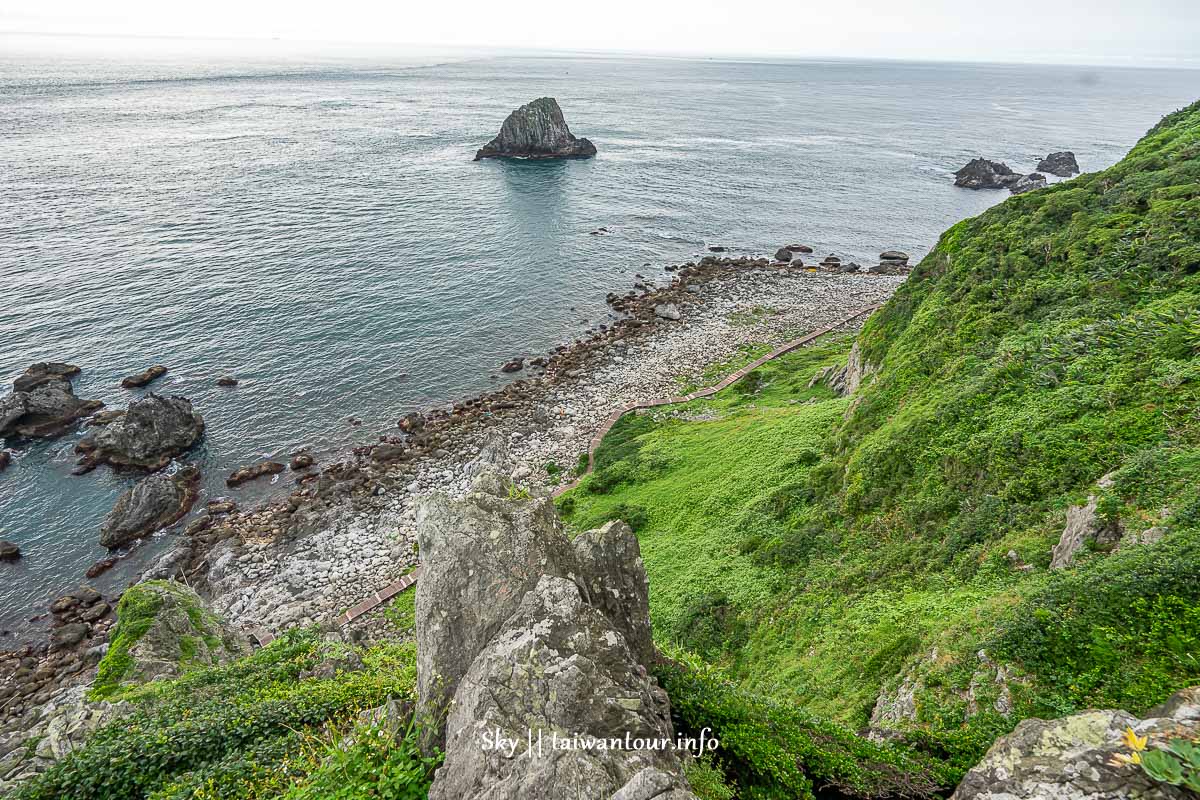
{"x": 536, "y": 130}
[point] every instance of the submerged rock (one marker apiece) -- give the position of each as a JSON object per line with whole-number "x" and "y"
{"x": 980, "y": 173}
{"x": 43, "y": 402}
{"x": 1028, "y": 183}
{"x": 1061, "y": 164}
{"x": 558, "y": 643}
{"x": 5, "y": 460}
{"x": 536, "y": 130}
{"x": 9, "y": 551}
{"x": 144, "y": 377}
{"x": 247, "y": 474}
{"x": 227, "y": 381}
{"x": 151, "y": 432}
{"x": 153, "y": 503}
{"x": 1073, "y": 758}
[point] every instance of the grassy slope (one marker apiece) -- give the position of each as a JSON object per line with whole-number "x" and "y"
{"x": 1041, "y": 345}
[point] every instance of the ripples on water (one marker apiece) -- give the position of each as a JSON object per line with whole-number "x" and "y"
{"x": 315, "y": 226}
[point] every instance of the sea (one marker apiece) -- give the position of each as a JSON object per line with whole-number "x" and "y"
{"x": 308, "y": 219}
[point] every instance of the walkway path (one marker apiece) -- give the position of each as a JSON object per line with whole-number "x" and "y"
{"x": 387, "y": 593}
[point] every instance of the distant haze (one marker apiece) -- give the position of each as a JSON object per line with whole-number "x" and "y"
{"x": 1151, "y": 32}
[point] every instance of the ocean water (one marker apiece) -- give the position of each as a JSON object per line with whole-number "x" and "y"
{"x": 310, "y": 220}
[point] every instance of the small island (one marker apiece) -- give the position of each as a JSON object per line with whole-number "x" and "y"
{"x": 536, "y": 130}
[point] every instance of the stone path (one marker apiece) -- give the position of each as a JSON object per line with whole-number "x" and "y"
{"x": 390, "y": 591}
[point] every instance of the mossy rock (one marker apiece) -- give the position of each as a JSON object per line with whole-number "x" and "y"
{"x": 163, "y": 630}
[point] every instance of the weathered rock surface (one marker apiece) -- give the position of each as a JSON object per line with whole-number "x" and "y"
{"x": 536, "y": 130}
{"x": 180, "y": 632}
{"x": 541, "y": 651}
{"x": 143, "y": 378}
{"x": 153, "y": 503}
{"x": 844, "y": 380}
{"x": 783, "y": 254}
{"x": 1028, "y": 183}
{"x": 151, "y": 432}
{"x": 9, "y": 551}
{"x": 1085, "y": 528}
{"x": 1071, "y": 758}
{"x": 980, "y": 173}
{"x": 254, "y": 472}
{"x": 1062, "y": 164}
{"x": 43, "y": 402}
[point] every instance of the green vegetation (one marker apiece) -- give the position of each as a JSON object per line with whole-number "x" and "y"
{"x": 820, "y": 550}
{"x": 253, "y": 729}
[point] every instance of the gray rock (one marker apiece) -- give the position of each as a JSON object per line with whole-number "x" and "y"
{"x": 1084, "y": 528}
{"x": 151, "y": 432}
{"x": 1028, "y": 183}
{"x": 153, "y": 503}
{"x": 783, "y": 254}
{"x": 5, "y": 460}
{"x": 143, "y": 378}
{"x": 556, "y": 643}
{"x": 667, "y": 311}
{"x": 894, "y": 255}
{"x": 1062, "y": 164}
{"x": 980, "y": 173}
{"x": 43, "y": 402}
{"x": 67, "y": 636}
{"x": 536, "y": 130}
{"x": 1071, "y": 758}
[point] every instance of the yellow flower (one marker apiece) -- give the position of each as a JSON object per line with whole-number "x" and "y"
{"x": 1121, "y": 760}
{"x": 1133, "y": 741}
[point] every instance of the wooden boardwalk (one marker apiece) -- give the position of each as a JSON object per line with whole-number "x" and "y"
{"x": 390, "y": 591}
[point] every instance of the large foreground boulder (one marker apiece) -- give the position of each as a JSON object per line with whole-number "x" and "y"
{"x": 1062, "y": 164}
{"x": 153, "y": 503}
{"x": 526, "y": 641}
{"x": 1074, "y": 758}
{"x": 536, "y": 130}
{"x": 43, "y": 403}
{"x": 980, "y": 173}
{"x": 163, "y": 630}
{"x": 151, "y": 432}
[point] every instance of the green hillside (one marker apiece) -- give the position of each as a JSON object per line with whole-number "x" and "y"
{"x": 823, "y": 548}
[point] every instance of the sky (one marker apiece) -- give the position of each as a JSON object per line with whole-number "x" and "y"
{"x": 1147, "y": 32}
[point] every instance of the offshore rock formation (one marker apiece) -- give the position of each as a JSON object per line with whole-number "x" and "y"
{"x": 536, "y": 130}
{"x": 979, "y": 173}
{"x": 1062, "y": 164}
{"x": 147, "y": 436}
{"x": 555, "y": 644}
{"x": 152, "y": 504}
{"x": 143, "y": 378}
{"x": 43, "y": 403}
{"x": 1072, "y": 758}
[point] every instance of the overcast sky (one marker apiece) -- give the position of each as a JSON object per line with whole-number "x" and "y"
{"x": 1086, "y": 31}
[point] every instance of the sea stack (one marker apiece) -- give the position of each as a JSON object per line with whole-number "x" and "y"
{"x": 536, "y": 130}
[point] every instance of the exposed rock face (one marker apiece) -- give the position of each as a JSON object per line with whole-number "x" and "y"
{"x": 153, "y": 503}
{"x": 844, "y": 380}
{"x": 1028, "y": 183}
{"x": 979, "y": 173}
{"x": 556, "y": 644}
{"x": 43, "y": 403}
{"x": 144, "y": 377}
{"x": 171, "y": 630}
{"x": 1062, "y": 164}
{"x": 1084, "y": 527}
{"x": 151, "y": 432}
{"x": 1070, "y": 758}
{"x": 536, "y": 130}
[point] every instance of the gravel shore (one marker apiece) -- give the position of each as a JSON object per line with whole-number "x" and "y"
{"x": 352, "y": 532}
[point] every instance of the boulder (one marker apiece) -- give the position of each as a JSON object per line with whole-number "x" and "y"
{"x": 153, "y": 503}
{"x": 5, "y": 460}
{"x": 516, "y": 365}
{"x": 799, "y": 248}
{"x": 1028, "y": 183}
{"x": 557, "y": 646}
{"x": 43, "y": 402}
{"x": 164, "y": 628}
{"x": 9, "y": 551}
{"x": 254, "y": 472}
{"x": 831, "y": 261}
{"x": 144, "y": 377}
{"x": 227, "y": 381}
{"x": 301, "y": 461}
{"x": 414, "y": 421}
{"x": 1061, "y": 164}
{"x": 980, "y": 173}
{"x": 1074, "y": 758}
{"x": 151, "y": 432}
{"x": 889, "y": 268}
{"x": 667, "y": 311}
{"x": 536, "y": 130}
{"x": 783, "y": 254}
{"x": 894, "y": 256}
